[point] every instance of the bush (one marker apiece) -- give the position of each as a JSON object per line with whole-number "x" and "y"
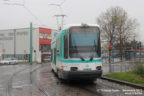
{"x": 139, "y": 69}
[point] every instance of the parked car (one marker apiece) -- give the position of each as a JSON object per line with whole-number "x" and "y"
{"x": 9, "y": 61}
{"x": 47, "y": 59}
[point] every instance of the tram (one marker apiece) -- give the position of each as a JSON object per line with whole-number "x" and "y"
{"x": 76, "y": 53}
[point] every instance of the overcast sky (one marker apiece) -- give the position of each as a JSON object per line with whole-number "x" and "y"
{"x": 77, "y": 11}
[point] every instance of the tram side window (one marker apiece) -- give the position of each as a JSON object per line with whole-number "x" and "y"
{"x": 66, "y": 46}
{"x": 57, "y": 47}
{"x": 60, "y": 47}
{"x": 99, "y": 46}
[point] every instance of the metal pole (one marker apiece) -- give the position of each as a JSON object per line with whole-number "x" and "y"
{"x": 109, "y": 52}
{"x": 62, "y": 20}
{"x": 134, "y": 48}
{"x": 112, "y": 40}
{"x": 2, "y": 50}
{"x": 31, "y": 43}
{"x": 140, "y": 51}
{"x": 14, "y": 43}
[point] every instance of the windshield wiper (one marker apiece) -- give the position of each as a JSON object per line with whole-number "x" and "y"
{"x": 91, "y": 58}
{"x": 78, "y": 53}
{"x": 82, "y": 58}
{"x": 95, "y": 46}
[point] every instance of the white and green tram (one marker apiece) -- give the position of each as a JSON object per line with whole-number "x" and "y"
{"x": 76, "y": 53}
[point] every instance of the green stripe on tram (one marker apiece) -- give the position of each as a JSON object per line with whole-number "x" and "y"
{"x": 80, "y": 61}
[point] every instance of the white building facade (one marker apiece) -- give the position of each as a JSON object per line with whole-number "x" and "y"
{"x": 16, "y": 43}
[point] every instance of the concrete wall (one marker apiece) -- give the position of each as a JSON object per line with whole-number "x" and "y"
{"x": 22, "y": 42}
{"x": 36, "y": 54}
{"x": 7, "y": 41}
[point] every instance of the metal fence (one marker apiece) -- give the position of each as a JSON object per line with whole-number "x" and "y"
{"x": 116, "y": 64}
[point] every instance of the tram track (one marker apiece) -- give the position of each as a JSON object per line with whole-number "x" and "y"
{"x": 90, "y": 88}
{"x": 83, "y": 88}
{"x": 115, "y": 87}
{"x": 31, "y": 69}
{"x": 96, "y": 89}
{"x": 50, "y": 85}
{"x": 92, "y": 91}
{"x": 9, "y": 83}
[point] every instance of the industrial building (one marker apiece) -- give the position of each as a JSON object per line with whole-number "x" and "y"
{"x": 16, "y": 43}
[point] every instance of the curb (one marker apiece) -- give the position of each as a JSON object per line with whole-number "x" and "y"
{"x": 123, "y": 82}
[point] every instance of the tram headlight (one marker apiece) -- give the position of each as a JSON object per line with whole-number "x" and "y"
{"x": 98, "y": 67}
{"x": 62, "y": 68}
{"x": 74, "y": 68}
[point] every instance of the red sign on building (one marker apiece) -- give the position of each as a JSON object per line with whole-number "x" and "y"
{"x": 110, "y": 46}
{"x": 44, "y": 36}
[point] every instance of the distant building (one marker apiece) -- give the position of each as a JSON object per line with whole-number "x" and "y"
{"x": 16, "y": 43}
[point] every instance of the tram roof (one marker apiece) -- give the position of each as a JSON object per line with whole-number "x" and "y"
{"x": 70, "y": 25}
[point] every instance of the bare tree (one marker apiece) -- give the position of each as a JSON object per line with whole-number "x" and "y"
{"x": 116, "y": 19}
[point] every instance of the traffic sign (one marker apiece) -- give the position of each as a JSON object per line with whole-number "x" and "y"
{"x": 24, "y": 51}
{"x": 110, "y": 46}
{"x": 3, "y": 50}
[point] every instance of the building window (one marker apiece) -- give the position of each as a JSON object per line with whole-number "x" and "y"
{"x": 45, "y": 48}
{"x": 45, "y": 36}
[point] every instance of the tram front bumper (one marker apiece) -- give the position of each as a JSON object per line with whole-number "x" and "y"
{"x": 73, "y": 75}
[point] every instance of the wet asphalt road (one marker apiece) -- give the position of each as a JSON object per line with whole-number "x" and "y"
{"x": 43, "y": 82}
{"x": 54, "y": 87}
{"x": 6, "y": 71}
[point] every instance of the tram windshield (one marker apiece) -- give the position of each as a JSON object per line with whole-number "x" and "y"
{"x": 84, "y": 42}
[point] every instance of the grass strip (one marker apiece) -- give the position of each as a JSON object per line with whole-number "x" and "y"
{"x": 127, "y": 76}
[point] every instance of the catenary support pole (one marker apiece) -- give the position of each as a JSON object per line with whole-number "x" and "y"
{"x": 14, "y": 43}
{"x": 31, "y": 43}
{"x": 112, "y": 39}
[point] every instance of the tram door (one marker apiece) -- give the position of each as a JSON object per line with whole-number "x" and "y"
{"x": 55, "y": 56}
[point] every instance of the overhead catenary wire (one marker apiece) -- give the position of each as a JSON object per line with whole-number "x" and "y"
{"x": 63, "y": 2}
{"x": 26, "y": 8}
{"x": 33, "y": 15}
{"x": 59, "y": 5}
{"x": 60, "y": 26}
{"x": 61, "y": 11}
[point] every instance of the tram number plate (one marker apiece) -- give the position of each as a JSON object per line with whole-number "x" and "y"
{"x": 87, "y": 69}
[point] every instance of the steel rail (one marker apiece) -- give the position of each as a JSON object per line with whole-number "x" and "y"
{"x": 9, "y": 86}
